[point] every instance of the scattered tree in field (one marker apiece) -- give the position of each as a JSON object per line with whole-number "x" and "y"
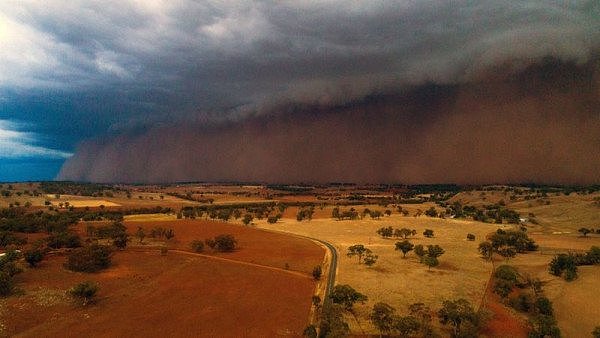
{"x": 505, "y": 278}
{"x": 564, "y": 263}
{"x": 458, "y": 314}
{"x": 419, "y": 250}
{"x": 486, "y": 250}
{"x": 404, "y": 233}
{"x": 335, "y": 213}
{"x": 370, "y": 258}
{"x": 406, "y": 326}
{"x": 357, "y": 250}
{"x": 405, "y": 247}
{"x": 423, "y": 314}
{"x": 434, "y": 251}
{"x": 34, "y": 256}
{"x": 584, "y": 231}
{"x": 428, "y": 233}
{"x": 310, "y": 331}
{"x": 383, "y": 317}
{"x": 388, "y": 212}
{"x": 375, "y": 214}
{"x": 332, "y": 322}
{"x": 386, "y": 232}
{"x": 91, "y": 258}
{"x": 431, "y": 212}
{"x": 317, "y": 272}
{"x": 346, "y": 296}
{"x": 140, "y": 234}
{"x": 247, "y": 219}
{"x": 85, "y": 292}
{"x": 507, "y": 252}
{"x": 222, "y": 243}
{"x": 169, "y": 234}
{"x": 430, "y": 262}
{"x": 596, "y": 332}
{"x": 197, "y": 245}
{"x": 470, "y": 237}
{"x": 272, "y": 219}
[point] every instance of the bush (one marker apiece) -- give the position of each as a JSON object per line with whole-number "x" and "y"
{"x": 33, "y": 256}
{"x": 6, "y": 284}
{"x": 89, "y": 259}
{"x": 197, "y": 245}
{"x": 317, "y": 272}
{"x": 222, "y": 243}
{"x": 85, "y": 291}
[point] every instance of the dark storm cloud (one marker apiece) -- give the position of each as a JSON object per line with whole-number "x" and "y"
{"x": 109, "y": 67}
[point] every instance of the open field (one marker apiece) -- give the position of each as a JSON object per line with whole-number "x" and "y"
{"x": 396, "y": 281}
{"x": 148, "y": 295}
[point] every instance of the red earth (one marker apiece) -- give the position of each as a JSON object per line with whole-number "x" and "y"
{"x": 181, "y": 293}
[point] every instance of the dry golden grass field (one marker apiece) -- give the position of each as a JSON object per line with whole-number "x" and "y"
{"x": 397, "y": 281}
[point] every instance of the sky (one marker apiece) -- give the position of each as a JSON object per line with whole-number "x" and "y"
{"x": 300, "y": 91}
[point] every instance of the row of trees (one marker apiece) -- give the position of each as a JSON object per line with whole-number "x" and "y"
{"x": 220, "y": 243}
{"x": 565, "y": 265}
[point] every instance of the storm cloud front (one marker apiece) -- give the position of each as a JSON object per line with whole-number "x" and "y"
{"x": 305, "y": 91}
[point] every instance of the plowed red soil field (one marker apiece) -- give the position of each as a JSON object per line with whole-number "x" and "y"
{"x": 145, "y": 294}
{"x": 254, "y": 245}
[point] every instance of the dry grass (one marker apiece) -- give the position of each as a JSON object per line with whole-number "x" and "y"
{"x": 401, "y": 282}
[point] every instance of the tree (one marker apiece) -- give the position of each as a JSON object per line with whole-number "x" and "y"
{"x": 272, "y": 219}
{"x": 404, "y": 232}
{"x": 428, "y": 233}
{"x": 423, "y": 314}
{"x": 370, "y": 258}
{"x": 169, "y": 234}
{"x": 596, "y": 332}
{"x": 388, "y": 212}
{"x": 332, "y": 322}
{"x": 140, "y": 234}
{"x": 406, "y": 326}
{"x": 91, "y": 258}
{"x": 85, "y": 292}
{"x": 317, "y": 271}
{"x": 405, "y": 247}
{"x": 470, "y": 237}
{"x": 310, "y": 331}
{"x": 419, "y": 250}
{"x": 430, "y": 261}
{"x": 383, "y": 317}
{"x": 434, "y": 251}
{"x": 566, "y": 263}
{"x": 222, "y": 243}
{"x": 335, "y": 213}
{"x": 357, "y": 250}
{"x": 456, "y": 313}
{"x": 33, "y": 256}
{"x": 584, "y": 231}
{"x": 346, "y": 296}
{"x": 431, "y": 212}
{"x": 386, "y": 232}
{"x": 247, "y": 219}
{"x": 197, "y": 245}
{"x": 486, "y": 250}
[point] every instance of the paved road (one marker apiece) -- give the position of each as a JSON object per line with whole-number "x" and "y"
{"x": 332, "y": 269}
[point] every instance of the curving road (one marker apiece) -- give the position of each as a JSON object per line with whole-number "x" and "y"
{"x": 332, "y": 269}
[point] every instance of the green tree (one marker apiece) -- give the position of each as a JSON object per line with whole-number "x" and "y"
{"x": 428, "y": 233}
{"x": 222, "y": 243}
{"x": 310, "y": 331}
{"x": 470, "y": 237}
{"x": 419, "y": 250}
{"x": 370, "y": 258}
{"x": 383, "y": 317}
{"x": 430, "y": 262}
{"x": 247, "y": 219}
{"x": 584, "y": 231}
{"x": 434, "y": 251}
{"x": 596, "y": 332}
{"x": 406, "y": 325}
{"x": 405, "y": 247}
{"x": 486, "y": 250}
{"x": 404, "y": 232}
{"x": 332, "y": 322}
{"x": 85, "y": 292}
{"x": 346, "y": 296}
{"x": 140, "y": 234}
{"x": 34, "y": 256}
{"x": 386, "y": 232}
{"x": 91, "y": 258}
{"x": 317, "y": 272}
{"x": 456, "y": 313}
{"x": 357, "y": 250}
{"x": 197, "y": 245}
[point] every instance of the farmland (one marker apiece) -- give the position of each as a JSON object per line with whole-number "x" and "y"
{"x": 180, "y": 288}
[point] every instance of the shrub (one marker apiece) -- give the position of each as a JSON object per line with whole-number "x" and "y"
{"x": 91, "y": 258}
{"x": 33, "y": 256}
{"x": 85, "y": 292}
{"x": 317, "y": 271}
{"x": 222, "y": 243}
{"x": 197, "y": 245}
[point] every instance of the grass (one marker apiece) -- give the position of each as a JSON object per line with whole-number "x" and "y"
{"x": 397, "y": 281}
